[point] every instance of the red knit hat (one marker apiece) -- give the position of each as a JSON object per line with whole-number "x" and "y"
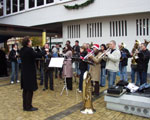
{"x": 96, "y": 46}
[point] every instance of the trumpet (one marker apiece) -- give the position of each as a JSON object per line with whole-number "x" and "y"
{"x": 104, "y": 53}
{"x": 89, "y": 54}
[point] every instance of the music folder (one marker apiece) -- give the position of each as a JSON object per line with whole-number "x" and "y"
{"x": 56, "y": 62}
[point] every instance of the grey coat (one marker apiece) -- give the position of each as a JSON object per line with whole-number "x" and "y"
{"x": 67, "y": 68}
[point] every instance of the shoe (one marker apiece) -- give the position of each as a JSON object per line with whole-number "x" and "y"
{"x": 31, "y": 109}
{"x": 79, "y": 90}
{"x": 96, "y": 94}
{"x": 18, "y": 81}
{"x": 12, "y": 82}
{"x": 41, "y": 83}
{"x": 44, "y": 89}
{"x": 52, "y": 89}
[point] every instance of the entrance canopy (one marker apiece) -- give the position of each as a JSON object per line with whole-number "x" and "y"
{"x": 8, "y": 31}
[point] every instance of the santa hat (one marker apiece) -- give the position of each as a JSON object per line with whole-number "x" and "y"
{"x": 96, "y": 46}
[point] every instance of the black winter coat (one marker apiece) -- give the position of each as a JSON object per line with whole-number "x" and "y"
{"x": 76, "y": 50}
{"x": 28, "y": 69}
{"x": 83, "y": 65}
{"x": 12, "y": 56}
{"x": 143, "y": 60}
{"x": 47, "y": 59}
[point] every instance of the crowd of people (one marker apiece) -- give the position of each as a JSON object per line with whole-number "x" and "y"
{"x": 102, "y": 61}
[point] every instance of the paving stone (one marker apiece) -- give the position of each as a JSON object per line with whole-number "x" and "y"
{"x": 51, "y": 104}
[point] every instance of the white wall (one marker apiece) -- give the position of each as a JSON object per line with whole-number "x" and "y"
{"x": 57, "y": 13}
{"x": 128, "y": 40}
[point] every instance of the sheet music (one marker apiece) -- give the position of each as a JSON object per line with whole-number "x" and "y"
{"x": 56, "y": 62}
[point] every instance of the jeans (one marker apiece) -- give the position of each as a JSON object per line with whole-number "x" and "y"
{"x": 103, "y": 77}
{"x": 143, "y": 77}
{"x": 14, "y": 74}
{"x": 133, "y": 72}
{"x": 111, "y": 78}
{"x": 123, "y": 73}
{"x": 77, "y": 68}
{"x": 81, "y": 79}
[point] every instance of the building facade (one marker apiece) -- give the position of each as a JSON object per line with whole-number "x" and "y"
{"x": 102, "y": 21}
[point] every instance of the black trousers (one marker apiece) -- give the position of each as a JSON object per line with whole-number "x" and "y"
{"x": 56, "y": 72}
{"x": 69, "y": 83}
{"x": 60, "y": 72}
{"x": 95, "y": 85}
{"x": 27, "y": 99}
{"x": 48, "y": 74}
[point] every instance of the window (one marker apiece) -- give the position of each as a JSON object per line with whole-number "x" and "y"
{"x": 73, "y": 31}
{"x": 31, "y": 3}
{"x": 94, "y": 29}
{"x": 15, "y": 5}
{"x": 118, "y": 28}
{"x": 8, "y": 8}
{"x": 22, "y": 5}
{"x": 1, "y": 8}
{"x": 40, "y": 2}
{"x": 49, "y": 1}
{"x": 142, "y": 27}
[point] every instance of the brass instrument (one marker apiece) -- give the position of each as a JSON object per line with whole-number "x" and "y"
{"x": 121, "y": 47}
{"x": 91, "y": 45}
{"x": 104, "y": 53}
{"x": 85, "y": 59}
{"x": 89, "y": 54}
{"x": 134, "y": 54}
{"x": 107, "y": 45}
{"x": 87, "y": 95}
{"x": 146, "y": 42}
{"x": 136, "y": 48}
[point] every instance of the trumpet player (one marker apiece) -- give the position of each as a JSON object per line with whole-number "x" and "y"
{"x": 103, "y": 65}
{"x": 134, "y": 70}
{"x": 112, "y": 59}
{"x": 95, "y": 69}
{"x": 83, "y": 66}
{"x": 125, "y": 54}
{"x": 142, "y": 63}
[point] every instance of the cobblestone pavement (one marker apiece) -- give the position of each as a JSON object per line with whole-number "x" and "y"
{"x": 52, "y": 106}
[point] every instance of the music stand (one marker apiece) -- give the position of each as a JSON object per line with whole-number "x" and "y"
{"x": 65, "y": 83}
{"x": 58, "y": 63}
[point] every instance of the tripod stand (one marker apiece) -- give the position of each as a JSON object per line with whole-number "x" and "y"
{"x": 65, "y": 83}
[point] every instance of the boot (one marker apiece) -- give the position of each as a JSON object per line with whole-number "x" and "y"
{"x": 96, "y": 90}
